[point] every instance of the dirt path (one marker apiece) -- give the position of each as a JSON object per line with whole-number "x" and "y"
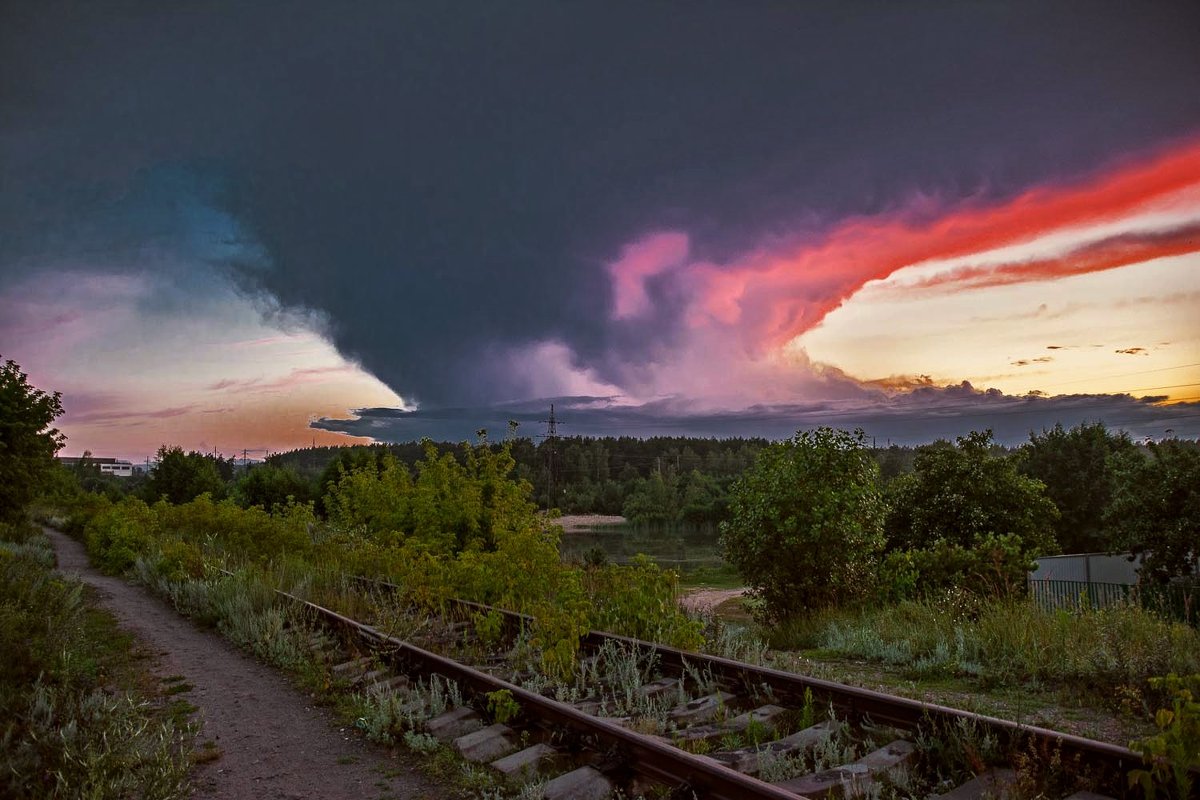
{"x": 274, "y": 742}
{"x": 708, "y": 599}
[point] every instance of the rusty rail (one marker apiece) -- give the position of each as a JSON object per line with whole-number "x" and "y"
{"x": 646, "y": 755}
{"x": 856, "y": 702}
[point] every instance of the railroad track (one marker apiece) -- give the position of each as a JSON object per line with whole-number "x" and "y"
{"x": 649, "y": 716}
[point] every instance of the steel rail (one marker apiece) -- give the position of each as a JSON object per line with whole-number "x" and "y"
{"x": 646, "y": 755}
{"x": 857, "y": 702}
{"x": 878, "y": 707}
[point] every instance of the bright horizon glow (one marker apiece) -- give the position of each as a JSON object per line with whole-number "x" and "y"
{"x": 1022, "y": 338}
{"x": 209, "y": 376}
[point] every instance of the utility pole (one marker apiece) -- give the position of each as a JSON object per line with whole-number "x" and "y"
{"x": 551, "y": 437}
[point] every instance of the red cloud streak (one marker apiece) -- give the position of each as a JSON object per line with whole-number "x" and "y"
{"x": 773, "y": 298}
{"x": 1116, "y": 251}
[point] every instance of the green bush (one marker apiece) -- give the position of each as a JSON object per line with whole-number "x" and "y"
{"x": 964, "y": 517}
{"x": 806, "y": 522}
{"x": 641, "y": 600}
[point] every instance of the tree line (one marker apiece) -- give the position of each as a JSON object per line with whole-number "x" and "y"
{"x": 1071, "y": 490}
{"x": 814, "y": 523}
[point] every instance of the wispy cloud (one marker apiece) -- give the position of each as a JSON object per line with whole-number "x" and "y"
{"x": 115, "y": 416}
{"x": 269, "y": 341}
{"x": 293, "y": 378}
{"x": 1104, "y": 254}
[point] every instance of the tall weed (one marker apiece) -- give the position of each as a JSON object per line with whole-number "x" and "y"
{"x": 1014, "y": 641}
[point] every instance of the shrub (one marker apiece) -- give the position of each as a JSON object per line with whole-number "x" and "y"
{"x": 805, "y": 526}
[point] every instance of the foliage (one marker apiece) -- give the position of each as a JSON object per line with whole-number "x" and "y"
{"x": 993, "y": 565}
{"x": 1076, "y": 467}
{"x": 459, "y": 529}
{"x": 592, "y": 475}
{"x": 451, "y": 505}
{"x": 1155, "y": 510}
{"x": 502, "y": 707}
{"x": 959, "y": 492}
{"x": 27, "y": 442}
{"x": 651, "y": 501}
{"x": 180, "y": 477}
{"x": 339, "y": 461}
{"x": 268, "y": 486}
{"x": 117, "y": 534}
{"x": 805, "y": 526}
{"x": 1174, "y": 753}
{"x": 640, "y": 600}
{"x": 964, "y": 513}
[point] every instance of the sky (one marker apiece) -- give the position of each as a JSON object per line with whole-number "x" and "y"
{"x": 259, "y": 226}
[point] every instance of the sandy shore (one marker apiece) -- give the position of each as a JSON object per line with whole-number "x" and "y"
{"x": 576, "y": 522}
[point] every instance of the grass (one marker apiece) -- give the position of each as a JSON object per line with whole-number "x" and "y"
{"x": 1080, "y": 672}
{"x": 79, "y": 715}
{"x": 724, "y": 576}
{"x": 1013, "y": 643}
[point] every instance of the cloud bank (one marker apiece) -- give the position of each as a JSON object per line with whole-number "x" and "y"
{"x": 921, "y": 415}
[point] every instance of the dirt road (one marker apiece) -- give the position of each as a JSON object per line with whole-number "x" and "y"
{"x": 275, "y": 744}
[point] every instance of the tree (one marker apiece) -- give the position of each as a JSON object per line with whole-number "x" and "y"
{"x": 652, "y": 501}
{"x": 805, "y": 522}
{"x": 1155, "y": 508}
{"x": 269, "y": 486}
{"x": 27, "y": 440}
{"x": 959, "y": 492}
{"x": 965, "y": 513}
{"x": 701, "y": 499}
{"x": 182, "y": 477}
{"x": 1076, "y": 467}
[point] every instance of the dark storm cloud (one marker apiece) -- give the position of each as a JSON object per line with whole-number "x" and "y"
{"x": 925, "y": 414}
{"x": 442, "y": 181}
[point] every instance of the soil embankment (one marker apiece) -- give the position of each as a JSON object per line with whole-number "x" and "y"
{"x": 274, "y": 743}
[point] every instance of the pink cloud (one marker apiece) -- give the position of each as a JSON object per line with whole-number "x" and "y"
{"x": 772, "y": 295}
{"x": 294, "y": 378}
{"x": 653, "y": 255}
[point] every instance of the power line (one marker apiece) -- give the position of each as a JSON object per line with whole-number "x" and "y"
{"x": 1152, "y": 388}
{"x": 1125, "y": 374}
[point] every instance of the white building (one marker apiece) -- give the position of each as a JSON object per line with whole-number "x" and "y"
{"x": 107, "y": 466}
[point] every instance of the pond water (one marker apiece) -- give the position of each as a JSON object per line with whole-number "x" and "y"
{"x": 674, "y": 547}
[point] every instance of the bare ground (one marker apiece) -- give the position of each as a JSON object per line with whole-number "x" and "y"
{"x": 274, "y": 742}
{"x": 705, "y": 599}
